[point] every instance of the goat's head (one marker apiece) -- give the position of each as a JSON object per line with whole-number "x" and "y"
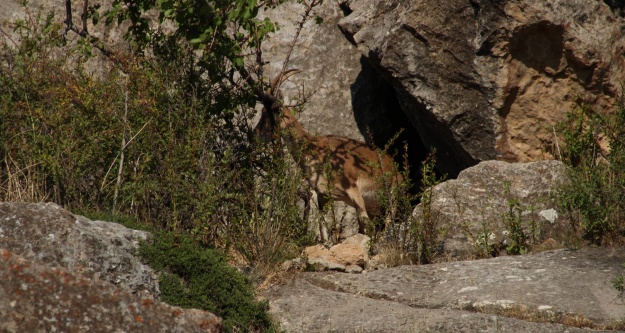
{"x": 273, "y": 116}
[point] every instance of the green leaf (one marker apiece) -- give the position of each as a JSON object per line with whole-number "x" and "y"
{"x": 95, "y": 18}
{"x": 46, "y": 30}
{"x": 196, "y": 41}
{"x": 238, "y": 62}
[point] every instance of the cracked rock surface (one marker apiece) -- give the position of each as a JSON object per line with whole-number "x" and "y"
{"x": 551, "y": 291}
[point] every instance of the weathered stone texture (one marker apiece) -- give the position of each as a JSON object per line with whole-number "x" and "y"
{"x": 561, "y": 287}
{"x": 37, "y": 298}
{"x": 93, "y": 249}
{"x": 65, "y": 273}
{"x": 329, "y": 64}
{"x": 472, "y": 211}
{"x": 353, "y": 251}
{"x": 484, "y": 80}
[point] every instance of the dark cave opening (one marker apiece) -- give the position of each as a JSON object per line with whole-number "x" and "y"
{"x": 617, "y": 6}
{"x": 380, "y": 118}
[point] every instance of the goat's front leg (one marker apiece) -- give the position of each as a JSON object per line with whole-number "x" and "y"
{"x": 322, "y": 201}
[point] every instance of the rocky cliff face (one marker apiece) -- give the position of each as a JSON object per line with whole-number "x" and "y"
{"x": 484, "y": 80}
{"x": 329, "y": 64}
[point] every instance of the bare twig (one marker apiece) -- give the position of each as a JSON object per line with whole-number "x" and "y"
{"x": 95, "y": 42}
{"x": 557, "y": 144}
{"x": 104, "y": 183}
{"x": 123, "y": 147}
{"x": 300, "y": 26}
{"x": 69, "y": 23}
{"x": 7, "y": 36}
{"x": 85, "y": 7}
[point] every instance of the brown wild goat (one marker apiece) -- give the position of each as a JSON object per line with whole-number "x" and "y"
{"x": 355, "y": 167}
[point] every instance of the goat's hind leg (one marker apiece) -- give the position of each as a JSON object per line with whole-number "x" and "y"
{"x": 322, "y": 201}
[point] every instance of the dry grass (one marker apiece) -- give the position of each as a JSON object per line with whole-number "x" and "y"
{"x": 263, "y": 276}
{"x": 21, "y": 184}
{"x": 390, "y": 255}
{"x": 548, "y": 245}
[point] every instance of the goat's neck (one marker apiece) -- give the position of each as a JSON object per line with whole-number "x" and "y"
{"x": 293, "y": 127}
{"x": 297, "y": 139}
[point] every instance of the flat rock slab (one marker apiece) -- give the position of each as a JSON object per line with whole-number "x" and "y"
{"x": 562, "y": 287}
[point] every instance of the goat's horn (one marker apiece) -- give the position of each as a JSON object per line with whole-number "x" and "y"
{"x": 282, "y": 77}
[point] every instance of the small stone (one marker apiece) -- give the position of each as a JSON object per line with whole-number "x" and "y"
{"x": 287, "y": 265}
{"x": 336, "y": 267}
{"x": 353, "y": 269}
{"x": 318, "y": 264}
{"x": 550, "y": 215}
{"x": 316, "y": 251}
{"x": 348, "y": 254}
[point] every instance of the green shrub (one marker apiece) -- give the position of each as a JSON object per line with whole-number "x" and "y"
{"x": 595, "y": 155}
{"x": 618, "y": 283}
{"x": 150, "y": 141}
{"x": 197, "y": 277}
{"x": 514, "y": 223}
{"x": 272, "y": 228}
{"x": 410, "y": 239}
{"x": 425, "y": 230}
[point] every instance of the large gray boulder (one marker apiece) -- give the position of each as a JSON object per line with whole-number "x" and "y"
{"x": 482, "y": 80}
{"x": 473, "y": 213}
{"x": 38, "y": 298}
{"x": 62, "y": 272}
{"x": 100, "y": 250}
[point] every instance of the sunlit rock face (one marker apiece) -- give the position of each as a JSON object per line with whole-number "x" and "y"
{"x": 489, "y": 80}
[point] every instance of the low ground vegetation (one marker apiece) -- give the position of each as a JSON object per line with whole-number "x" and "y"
{"x": 594, "y": 152}
{"x": 407, "y": 238}
{"x": 200, "y": 278}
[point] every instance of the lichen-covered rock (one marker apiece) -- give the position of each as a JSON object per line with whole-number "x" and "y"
{"x": 485, "y": 80}
{"x": 473, "y": 212}
{"x": 37, "y": 298}
{"x": 548, "y": 292}
{"x": 94, "y": 249}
